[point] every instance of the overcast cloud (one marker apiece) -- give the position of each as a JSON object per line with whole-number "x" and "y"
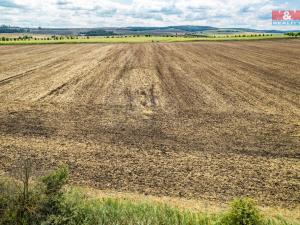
{"x": 106, "y": 13}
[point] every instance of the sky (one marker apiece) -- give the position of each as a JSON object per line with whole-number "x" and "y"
{"x": 254, "y": 14}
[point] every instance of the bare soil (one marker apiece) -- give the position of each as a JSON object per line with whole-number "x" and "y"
{"x": 209, "y": 120}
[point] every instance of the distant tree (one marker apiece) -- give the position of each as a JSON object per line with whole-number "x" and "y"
{"x": 291, "y": 34}
{"x": 98, "y": 32}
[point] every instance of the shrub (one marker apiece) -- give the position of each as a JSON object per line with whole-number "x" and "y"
{"x": 53, "y": 184}
{"x": 243, "y": 212}
{"x": 26, "y": 203}
{"x": 20, "y": 202}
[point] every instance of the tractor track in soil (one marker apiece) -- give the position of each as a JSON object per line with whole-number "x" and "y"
{"x": 210, "y": 120}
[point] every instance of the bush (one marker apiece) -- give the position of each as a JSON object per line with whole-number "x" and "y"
{"x": 292, "y": 34}
{"x": 243, "y": 212}
{"x": 53, "y": 184}
{"x": 26, "y": 203}
{"x": 19, "y": 202}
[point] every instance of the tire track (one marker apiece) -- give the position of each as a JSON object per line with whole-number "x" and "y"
{"x": 197, "y": 120}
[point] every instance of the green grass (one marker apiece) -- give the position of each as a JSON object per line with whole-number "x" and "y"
{"x": 139, "y": 40}
{"x": 109, "y": 211}
{"x": 112, "y": 211}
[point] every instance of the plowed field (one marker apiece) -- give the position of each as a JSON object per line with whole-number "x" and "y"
{"x": 209, "y": 120}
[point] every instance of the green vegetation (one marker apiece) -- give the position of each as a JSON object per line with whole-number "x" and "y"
{"x": 132, "y": 39}
{"x": 293, "y": 34}
{"x": 24, "y": 203}
{"x": 243, "y": 211}
{"x": 98, "y": 32}
{"x": 48, "y": 201}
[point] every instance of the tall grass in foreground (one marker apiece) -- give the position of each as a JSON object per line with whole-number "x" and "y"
{"x": 123, "y": 212}
{"x": 46, "y": 202}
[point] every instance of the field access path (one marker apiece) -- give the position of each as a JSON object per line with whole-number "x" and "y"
{"x": 209, "y": 120}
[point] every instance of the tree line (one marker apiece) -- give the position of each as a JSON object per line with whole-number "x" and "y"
{"x": 293, "y": 34}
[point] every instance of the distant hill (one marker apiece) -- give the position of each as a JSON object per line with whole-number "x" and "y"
{"x": 104, "y": 31}
{"x": 9, "y": 29}
{"x": 98, "y": 32}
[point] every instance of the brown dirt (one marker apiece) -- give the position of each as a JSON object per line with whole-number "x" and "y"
{"x": 209, "y": 120}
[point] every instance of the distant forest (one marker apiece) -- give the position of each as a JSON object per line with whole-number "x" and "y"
{"x": 98, "y": 32}
{"x": 9, "y": 29}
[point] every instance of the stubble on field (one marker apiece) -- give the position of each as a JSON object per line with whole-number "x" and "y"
{"x": 195, "y": 120}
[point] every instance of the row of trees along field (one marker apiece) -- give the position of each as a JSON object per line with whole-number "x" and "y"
{"x": 244, "y": 35}
{"x": 293, "y": 34}
{"x": 28, "y": 38}
{"x": 71, "y": 37}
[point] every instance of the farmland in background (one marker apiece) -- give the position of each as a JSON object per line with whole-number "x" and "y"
{"x": 20, "y": 39}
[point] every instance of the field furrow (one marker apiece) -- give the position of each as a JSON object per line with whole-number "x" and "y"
{"x": 212, "y": 120}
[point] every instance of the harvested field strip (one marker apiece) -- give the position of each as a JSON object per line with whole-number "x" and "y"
{"x": 196, "y": 120}
{"x": 95, "y": 40}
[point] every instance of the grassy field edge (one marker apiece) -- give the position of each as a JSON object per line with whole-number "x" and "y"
{"x": 141, "y": 211}
{"x": 47, "y": 200}
{"x": 191, "y": 205}
{"x": 141, "y": 40}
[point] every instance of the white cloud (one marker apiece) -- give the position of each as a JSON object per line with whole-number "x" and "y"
{"x": 95, "y": 13}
